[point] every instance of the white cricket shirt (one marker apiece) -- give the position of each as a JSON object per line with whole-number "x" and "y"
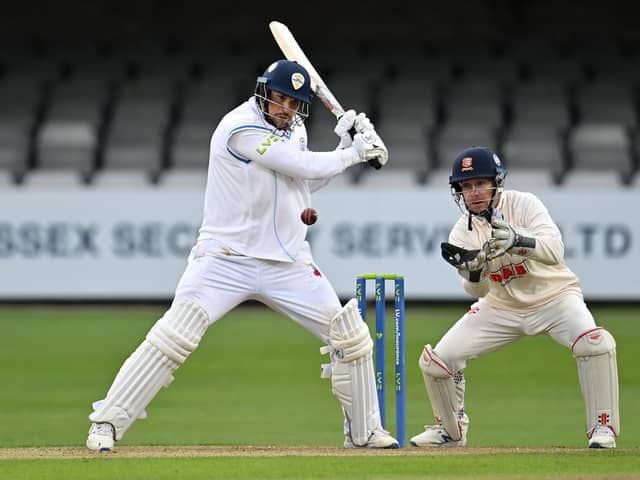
{"x": 517, "y": 283}
{"x": 260, "y": 181}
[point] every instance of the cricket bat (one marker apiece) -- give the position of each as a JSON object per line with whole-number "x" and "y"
{"x": 292, "y": 51}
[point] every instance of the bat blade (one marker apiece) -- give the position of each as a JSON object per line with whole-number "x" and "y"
{"x": 292, "y": 51}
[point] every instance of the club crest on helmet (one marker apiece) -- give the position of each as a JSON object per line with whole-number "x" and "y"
{"x": 297, "y": 80}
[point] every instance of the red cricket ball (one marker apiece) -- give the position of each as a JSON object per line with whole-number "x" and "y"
{"x": 309, "y": 216}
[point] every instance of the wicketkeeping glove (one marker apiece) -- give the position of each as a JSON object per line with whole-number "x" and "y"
{"x": 470, "y": 263}
{"x": 345, "y": 123}
{"x": 506, "y": 238}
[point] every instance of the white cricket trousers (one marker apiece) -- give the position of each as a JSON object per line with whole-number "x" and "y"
{"x": 219, "y": 281}
{"x": 485, "y": 329}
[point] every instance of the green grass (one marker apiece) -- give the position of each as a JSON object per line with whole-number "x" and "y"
{"x": 540, "y": 465}
{"x": 255, "y": 381}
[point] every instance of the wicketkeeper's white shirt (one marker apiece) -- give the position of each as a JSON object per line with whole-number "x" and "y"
{"x": 517, "y": 283}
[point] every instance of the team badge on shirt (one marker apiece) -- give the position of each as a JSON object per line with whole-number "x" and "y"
{"x": 297, "y": 80}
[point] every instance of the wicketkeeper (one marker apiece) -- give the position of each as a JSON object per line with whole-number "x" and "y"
{"x": 509, "y": 253}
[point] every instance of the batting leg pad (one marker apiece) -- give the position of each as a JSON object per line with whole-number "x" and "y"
{"x": 167, "y": 345}
{"x": 351, "y": 372}
{"x": 595, "y": 353}
{"x": 441, "y": 389}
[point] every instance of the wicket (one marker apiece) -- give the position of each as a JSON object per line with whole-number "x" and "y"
{"x": 380, "y": 357}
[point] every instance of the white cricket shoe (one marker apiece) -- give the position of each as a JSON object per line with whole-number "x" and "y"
{"x": 101, "y": 437}
{"x": 602, "y": 437}
{"x": 378, "y": 439}
{"x": 436, "y": 436}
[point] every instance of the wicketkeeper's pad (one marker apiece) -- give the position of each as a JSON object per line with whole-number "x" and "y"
{"x": 442, "y": 392}
{"x": 595, "y": 352}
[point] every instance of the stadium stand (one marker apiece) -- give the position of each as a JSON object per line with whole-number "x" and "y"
{"x": 138, "y": 103}
{"x": 140, "y": 118}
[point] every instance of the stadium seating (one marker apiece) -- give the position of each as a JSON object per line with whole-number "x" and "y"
{"x": 558, "y": 115}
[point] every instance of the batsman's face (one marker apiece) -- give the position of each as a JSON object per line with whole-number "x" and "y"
{"x": 477, "y": 193}
{"x": 282, "y": 109}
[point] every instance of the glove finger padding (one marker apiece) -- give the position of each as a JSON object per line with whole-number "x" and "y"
{"x": 362, "y": 123}
{"x": 343, "y": 127}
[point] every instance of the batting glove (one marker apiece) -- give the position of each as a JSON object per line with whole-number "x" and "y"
{"x": 371, "y": 148}
{"x": 362, "y": 123}
{"x": 345, "y": 123}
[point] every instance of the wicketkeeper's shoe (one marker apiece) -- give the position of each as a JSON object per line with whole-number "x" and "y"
{"x": 602, "y": 437}
{"x": 436, "y": 436}
{"x": 378, "y": 439}
{"x": 102, "y": 437}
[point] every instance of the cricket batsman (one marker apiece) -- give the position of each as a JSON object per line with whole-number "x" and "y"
{"x": 510, "y": 255}
{"x": 251, "y": 246}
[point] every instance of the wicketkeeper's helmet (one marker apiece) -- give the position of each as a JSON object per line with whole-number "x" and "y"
{"x": 477, "y": 162}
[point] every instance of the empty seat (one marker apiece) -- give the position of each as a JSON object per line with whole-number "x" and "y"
{"x": 7, "y": 180}
{"x": 483, "y": 61}
{"x": 438, "y": 179}
{"x": 394, "y": 108}
{"x": 475, "y": 100}
{"x": 190, "y": 146}
{"x": 67, "y": 145}
{"x": 534, "y": 147}
{"x": 14, "y": 149}
{"x": 539, "y": 103}
{"x": 192, "y": 179}
{"x": 58, "y": 178}
{"x": 540, "y": 59}
{"x": 69, "y": 134}
{"x": 600, "y": 148}
{"x": 592, "y": 179}
{"x": 610, "y": 101}
{"x": 529, "y": 179}
{"x": 207, "y": 100}
{"x": 123, "y": 179}
{"x": 453, "y": 138}
{"x": 354, "y": 83}
{"x": 202, "y": 104}
{"x": 136, "y": 136}
{"x": 21, "y": 95}
{"x": 408, "y": 153}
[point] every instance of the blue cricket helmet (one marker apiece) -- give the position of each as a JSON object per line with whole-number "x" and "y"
{"x": 289, "y": 78}
{"x": 477, "y": 162}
